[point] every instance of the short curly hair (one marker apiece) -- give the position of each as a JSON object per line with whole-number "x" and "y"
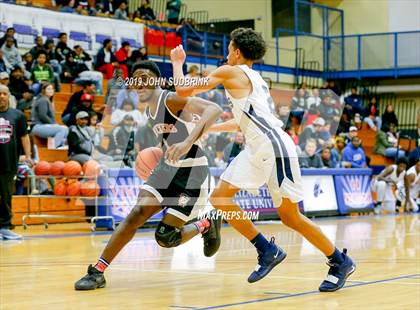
{"x": 250, "y": 43}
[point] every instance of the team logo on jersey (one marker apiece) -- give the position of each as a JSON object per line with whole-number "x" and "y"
{"x": 160, "y": 129}
{"x": 183, "y": 200}
{"x": 6, "y": 131}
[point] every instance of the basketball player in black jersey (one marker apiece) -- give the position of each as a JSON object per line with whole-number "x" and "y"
{"x": 174, "y": 186}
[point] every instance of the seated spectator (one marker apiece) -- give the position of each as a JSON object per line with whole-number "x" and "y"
{"x": 121, "y": 12}
{"x": 18, "y": 86}
{"x": 11, "y": 54}
{"x": 96, "y": 130}
{"x": 85, "y": 104}
{"x": 146, "y": 11}
{"x": 68, "y": 7}
{"x": 28, "y": 61}
{"x": 49, "y": 48}
{"x": 41, "y": 72}
{"x": 4, "y": 80}
{"x": 105, "y": 60}
{"x": 81, "y": 146}
{"x": 84, "y": 69}
{"x": 88, "y": 88}
{"x": 311, "y": 115}
{"x": 353, "y": 103}
{"x": 313, "y": 132}
{"x": 173, "y": 9}
{"x": 81, "y": 57}
{"x": 145, "y": 138}
{"x": 234, "y": 148}
{"x": 354, "y": 155}
{"x": 337, "y": 151}
{"x": 62, "y": 50}
{"x": 371, "y": 115}
{"x": 326, "y": 158}
{"x": 299, "y": 104}
{"x": 128, "y": 108}
{"x": 5, "y": 66}
{"x": 39, "y": 46}
{"x": 43, "y": 118}
{"x": 122, "y": 56}
{"x": 330, "y": 111}
{"x": 385, "y": 146}
{"x": 26, "y": 102}
{"x": 344, "y": 124}
{"x": 69, "y": 69}
{"x": 121, "y": 143}
{"x": 389, "y": 117}
{"x": 113, "y": 89}
{"x": 325, "y": 133}
{"x": 353, "y": 132}
{"x": 309, "y": 158}
{"x": 314, "y": 98}
{"x": 10, "y": 33}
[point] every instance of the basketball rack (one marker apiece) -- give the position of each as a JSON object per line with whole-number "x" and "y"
{"x": 46, "y": 217}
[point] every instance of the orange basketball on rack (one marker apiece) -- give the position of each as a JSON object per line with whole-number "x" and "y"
{"x": 147, "y": 160}
{"x": 73, "y": 188}
{"x": 57, "y": 168}
{"x": 60, "y": 188}
{"x": 91, "y": 168}
{"x": 89, "y": 188}
{"x": 72, "y": 168}
{"x": 42, "y": 168}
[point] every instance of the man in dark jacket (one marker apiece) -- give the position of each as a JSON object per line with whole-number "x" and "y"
{"x": 10, "y": 33}
{"x": 18, "y": 86}
{"x": 85, "y": 104}
{"x": 309, "y": 158}
{"x": 62, "y": 49}
{"x": 88, "y": 88}
{"x": 106, "y": 61}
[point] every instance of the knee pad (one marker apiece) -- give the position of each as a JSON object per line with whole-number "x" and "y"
{"x": 168, "y": 236}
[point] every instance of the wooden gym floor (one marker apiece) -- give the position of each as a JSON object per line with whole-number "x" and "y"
{"x": 39, "y": 272}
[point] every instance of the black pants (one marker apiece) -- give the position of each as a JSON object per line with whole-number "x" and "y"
{"x": 6, "y": 191}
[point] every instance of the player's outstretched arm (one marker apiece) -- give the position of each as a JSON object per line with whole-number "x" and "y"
{"x": 209, "y": 113}
{"x": 229, "y": 126}
{"x": 190, "y": 88}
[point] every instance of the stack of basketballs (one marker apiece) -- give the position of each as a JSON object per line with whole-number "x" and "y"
{"x": 72, "y": 178}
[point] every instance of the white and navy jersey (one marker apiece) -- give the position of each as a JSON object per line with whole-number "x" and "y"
{"x": 171, "y": 129}
{"x": 252, "y": 113}
{"x": 416, "y": 182}
{"x": 393, "y": 177}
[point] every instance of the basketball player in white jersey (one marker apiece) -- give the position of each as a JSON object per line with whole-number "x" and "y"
{"x": 385, "y": 185}
{"x": 269, "y": 157}
{"x": 409, "y": 190}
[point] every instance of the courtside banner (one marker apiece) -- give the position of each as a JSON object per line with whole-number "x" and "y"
{"x": 319, "y": 194}
{"x": 262, "y": 203}
{"x": 353, "y": 193}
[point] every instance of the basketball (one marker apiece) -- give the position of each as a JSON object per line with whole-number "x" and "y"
{"x": 91, "y": 168}
{"x": 57, "y": 168}
{"x": 72, "y": 168}
{"x": 42, "y": 168}
{"x": 147, "y": 160}
{"x": 73, "y": 188}
{"x": 60, "y": 188}
{"x": 89, "y": 189}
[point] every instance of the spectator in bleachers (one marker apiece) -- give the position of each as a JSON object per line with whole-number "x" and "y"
{"x": 41, "y": 72}
{"x": 309, "y": 158}
{"x": 353, "y": 103}
{"x": 43, "y": 118}
{"x": 84, "y": 69}
{"x": 314, "y": 98}
{"x": 39, "y": 45}
{"x": 389, "y": 117}
{"x": 326, "y": 158}
{"x": 353, "y": 132}
{"x": 81, "y": 145}
{"x": 313, "y": 132}
{"x": 124, "y": 95}
{"x": 128, "y": 108}
{"x": 28, "y": 61}
{"x": 173, "y": 9}
{"x": 106, "y": 6}
{"x": 299, "y": 104}
{"x": 121, "y": 142}
{"x": 49, "y": 48}
{"x": 387, "y": 145}
{"x": 4, "y": 80}
{"x": 146, "y": 11}
{"x": 85, "y": 104}
{"x": 11, "y": 53}
{"x": 234, "y": 148}
{"x": 121, "y": 12}
{"x": 106, "y": 62}
{"x": 69, "y": 69}
{"x": 354, "y": 155}
{"x": 96, "y": 130}
{"x": 344, "y": 124}
{"x": 18, "y": 86}
{"x": 68, "y": 6}
{"x": 332, "y": 86}
{"x": 337, "y": 150}
{"x": 371, "y": 115}
{"x": 5, "y": 66}
{"x": 113, "y": 88}
{"x": 330, "y": 111}
{"x": 10, "y": 33}
{"x": 80, "y": 56}
{"x": 26, "y": 102}
{"x": 62, "y": 50}
{"x": 311, "y": 115}
{"x": 122, "y": 56}
{"x": 88, "y": 88}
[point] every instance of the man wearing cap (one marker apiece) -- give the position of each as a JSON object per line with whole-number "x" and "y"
{"x": 353, "y": 132}
{"x": 80, "y": 142}
{"x": 86, "y": 105}
{"x": 88, "y": 88}
{"x": 354, "y": 155}
{"x": 13, "y": 140}
{"x": 4, "y": 80}
{"x": 313, "y": 132}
